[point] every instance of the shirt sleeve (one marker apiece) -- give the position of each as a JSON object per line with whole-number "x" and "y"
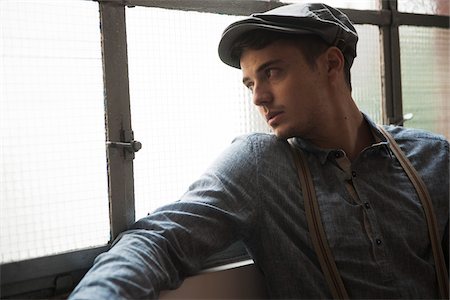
{"x": 171, "y": 243}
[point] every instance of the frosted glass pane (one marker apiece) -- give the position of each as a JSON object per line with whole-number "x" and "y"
{"x": 366, "y": 72}
{"x": 432, "y": 7}
{"x": 187, "y": 106}
{"x": 425, "y": 77}
{"x": 53, "y": 185}
{"x": 353, "y": 4}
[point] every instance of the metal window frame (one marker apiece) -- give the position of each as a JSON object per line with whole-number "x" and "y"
{"x": 58, "y": 274}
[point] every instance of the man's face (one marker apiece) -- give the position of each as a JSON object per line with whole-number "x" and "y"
{"x": 288, "y": 92}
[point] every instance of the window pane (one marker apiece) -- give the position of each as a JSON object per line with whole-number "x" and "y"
{"x": 366, "y": 72}
{"x": 425, "y": 77}
{"x": 432, "y": 7}
{"x": 187, "y": 106}
{"x": 53, "y": 193}
{"x": 353, "y": 4}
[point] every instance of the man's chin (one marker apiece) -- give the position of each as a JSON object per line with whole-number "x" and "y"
{"x": 282, "y": 135}
{"x": 285, "y": 133}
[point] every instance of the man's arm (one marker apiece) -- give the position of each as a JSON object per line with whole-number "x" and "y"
{"x": 171, "y": 243}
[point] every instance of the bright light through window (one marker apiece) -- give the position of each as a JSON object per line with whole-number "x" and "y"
{"x": 187, "y": 106}
{"x": 353, "y": 4}
{"x": 53, "y": 185}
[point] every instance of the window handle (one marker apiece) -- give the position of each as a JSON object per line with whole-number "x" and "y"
{"x": 133, "y": 146}
{"x": 406, "y": 117}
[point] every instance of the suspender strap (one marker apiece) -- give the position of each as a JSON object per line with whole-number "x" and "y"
{"x": 419, "y": 185}
{"x": 317, "y": 233}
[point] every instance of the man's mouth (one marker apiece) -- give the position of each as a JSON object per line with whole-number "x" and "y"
{"x": 273, "y": 117}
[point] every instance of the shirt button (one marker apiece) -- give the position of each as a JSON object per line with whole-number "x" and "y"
{"x": 367, "y": 205}
{"x": 353, "y": 173}
{"x": 378, "y": 241}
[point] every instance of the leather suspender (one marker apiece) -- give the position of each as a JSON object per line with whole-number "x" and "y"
{"x": 317, "y": 232}
{"x": 419, "y": 185}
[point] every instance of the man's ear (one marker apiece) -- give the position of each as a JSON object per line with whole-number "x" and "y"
{"x": 336, "y": 61}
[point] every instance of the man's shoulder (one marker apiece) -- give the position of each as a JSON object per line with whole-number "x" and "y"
{"x": 261, "y": 139}
{"x": 406, "y": 134}
{"x": 422, "y": 147}
{"x": 256, "y": 136}
{"x": 262, "y": 145}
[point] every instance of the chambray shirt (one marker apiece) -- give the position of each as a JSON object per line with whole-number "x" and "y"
{"x": 372, "y": 216}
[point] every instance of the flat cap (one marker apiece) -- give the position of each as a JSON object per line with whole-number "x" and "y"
{"x": 332, "y": 25}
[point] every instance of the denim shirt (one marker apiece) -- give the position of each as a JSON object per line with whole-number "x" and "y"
{"x": 372, "y": 216}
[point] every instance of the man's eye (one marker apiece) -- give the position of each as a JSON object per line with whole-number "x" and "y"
{"x": 270, "y": 72}
{"x": 250, "y": 87}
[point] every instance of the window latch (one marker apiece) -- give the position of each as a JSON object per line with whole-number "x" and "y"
{"x": 133, "y": 146}
{"x": 128, "y": 144}
{"x": 129, "y": 148}
{"x": 406, "y": 117}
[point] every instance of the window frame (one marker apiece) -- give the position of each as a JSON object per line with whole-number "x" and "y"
{"x": 58, "y": 274}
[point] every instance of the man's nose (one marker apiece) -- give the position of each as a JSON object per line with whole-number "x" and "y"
{"x": 261, "y": 94}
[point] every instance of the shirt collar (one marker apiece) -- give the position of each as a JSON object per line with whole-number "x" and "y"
{"x": 322, "y": 154}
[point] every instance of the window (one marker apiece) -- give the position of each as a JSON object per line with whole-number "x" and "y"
{"x": 432, "y": 7}
{"x": 65, "y": 195}
{"x": 425, "y": 73}
{"x": 360, "y": 4}
{"x": 53, "y": 179}
{"x": 186, "y": 105}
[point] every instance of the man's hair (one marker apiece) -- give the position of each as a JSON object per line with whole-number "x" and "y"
{"x": 311, "y": 46}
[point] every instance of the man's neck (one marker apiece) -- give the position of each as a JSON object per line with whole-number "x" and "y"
{"x": 346, "y": 130}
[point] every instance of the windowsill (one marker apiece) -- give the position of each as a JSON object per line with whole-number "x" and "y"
{"x": 229, "y": 266}
{"x": 238, "y": 280}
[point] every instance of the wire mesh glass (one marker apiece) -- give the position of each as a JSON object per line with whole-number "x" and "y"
{"x": 425, "y": 61}
{"x": 353, "y": 4}
{"x": 187, "y": 106}
{"x": 431, "y": 7}
{"x": 366, "y": 72}
{"x": 53, "y": 185}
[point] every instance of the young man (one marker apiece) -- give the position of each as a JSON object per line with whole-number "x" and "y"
{"x": 296, "y": 61}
